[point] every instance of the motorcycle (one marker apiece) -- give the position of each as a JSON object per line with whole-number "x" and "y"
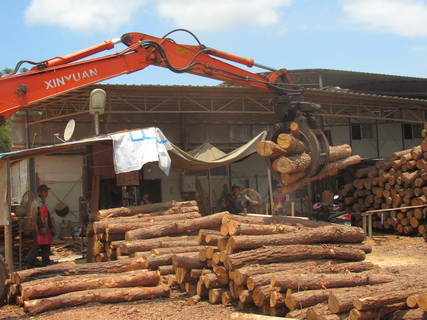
{"x": 328, "y": 212}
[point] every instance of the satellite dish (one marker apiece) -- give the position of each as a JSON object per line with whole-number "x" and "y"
{"x": 69, "y": 129}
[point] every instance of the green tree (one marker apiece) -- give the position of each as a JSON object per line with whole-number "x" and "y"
{"x": 6, "y": 137}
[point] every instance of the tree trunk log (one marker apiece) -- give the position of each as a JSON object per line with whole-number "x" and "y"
{"x": 381, "y": 300}
{"x": 268, "y": 255}
{"x": 116, "y": 266}
{"x": 290, "y": 143}
{"x": 60, "y": 285}
{"x": 312, "y": 281}
{"x": 104, "y": 295}
{"x": 114, "y": 226}
{"x": 292, "y": 164}
{"x": 330, "y": 233}
{"x": 242, "y": 228}
{"x": 211, "y": 221}
{"x": 269, "y": 149}
{"x": 129, "y": 247}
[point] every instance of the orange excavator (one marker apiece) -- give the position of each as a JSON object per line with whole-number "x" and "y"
{"x": 62, "y": 74}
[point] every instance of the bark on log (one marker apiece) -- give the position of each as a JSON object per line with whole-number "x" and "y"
{"x": 212, "y": 221}
{"x": 411, "y": 314}
{"x": 188, "y": 260}
{"x": 116, "y": 266}
{"x": 64, "y": 284}
{"x": 292, "y": 164}
{"x": 251, "y": 316}
{"x": 339, "y": 152}
{"x": 122, "y": 225}
{"x": 326, "y": 267}
{"x": 242, "y": 228}
{"x": 326, "y": 234}
{"x": 275, "y": 254}
{"x": 381, "y": 300}
{"x": 306, "y": 298}
{"x": 129, "y": 247}
{"x": 105, "y": 295}
{"x": 290, "y": 143}
{"x": 292, "y": 221}
{"x": 312, "y": 281}
{"x": 269, "y": 149}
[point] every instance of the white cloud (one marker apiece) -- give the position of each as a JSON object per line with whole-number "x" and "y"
{"x": 221, "y": 14}
{"x": 402, "y": 17}
{"x": 85, "y": 16}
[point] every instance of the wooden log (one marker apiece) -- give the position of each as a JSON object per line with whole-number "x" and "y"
{"x": 290, "y": 178}
{"x": 306, "y": 298}
{"x": 129, "y": 247}
{"x": 289, "y": 143}
{"x": 292, "y": 221}
{"x": 275, "y": 254}
{"x": 339, "y": 152}
{"x": 411, "y": 314}
{"x": 64, "y": 284}
{"x": 325, "y": 234}
{"x": 195, "y": 248}
{"x": 129, "y": 211}
{"x": 381, "y": 300}
{"x": 104, "y": 295}
{"x": 239, "y": 228}
{"x": 312, "y": 281}
{"x": 422, "y": 301}
{"x": 115, "y": 266}
{"x": 261, "y": 295}
{"x": 331, "y": 169}
{"x": 100, "y": 226}
{"x": 204, "y": 233}
{"x": 270, "y": 149}
{"x": 188, "y": 260}
{"x": 215, "y": 295}
{"x": 123, "y": 226}
{"x": 292, "y": 164}
{"x": 396, "y": 155}
{"x": 380, "y": 313}
{"x": 187, "y": 226}
{"x": 327, "y": 267}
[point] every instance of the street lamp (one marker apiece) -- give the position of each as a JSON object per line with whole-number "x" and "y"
{"x": 97, "y": 105}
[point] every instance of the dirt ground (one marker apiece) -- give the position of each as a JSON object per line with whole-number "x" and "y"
{"x": 388, "y": 251}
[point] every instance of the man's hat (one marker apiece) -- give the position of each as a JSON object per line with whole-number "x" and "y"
{"x": 234, "y": 186}
{"x": 43, "y": 187}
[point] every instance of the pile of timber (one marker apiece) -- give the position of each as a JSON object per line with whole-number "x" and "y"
{"x": 108, "y": 231}
{"x": 398, "y": 186}
{"x": 294, "y": 267}
{"x": 69, "y": 284}
{"x": 291, "y": 160}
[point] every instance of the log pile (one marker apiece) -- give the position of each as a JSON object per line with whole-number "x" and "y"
{"x": 250, "y": 269}
{"x": 69, "y": 284}
{"x": 397, "y": 185}
{"x": 290, "y": 159}
{"x": 111, "y": 226}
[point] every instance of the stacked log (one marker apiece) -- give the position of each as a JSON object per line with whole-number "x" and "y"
{"x": 70, "y": 284}
{"x": 255, "y": 269}
{"x": 292, "y": 161}
{"x": 394, "y": 189}
{"x": 111, "y": 226}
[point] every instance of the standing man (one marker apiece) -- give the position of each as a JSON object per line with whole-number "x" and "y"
{"x": 237, "y": 202}
{"x": 43, "y": 231}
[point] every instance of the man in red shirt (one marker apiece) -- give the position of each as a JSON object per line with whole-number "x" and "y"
{"x": 43, "y": 231}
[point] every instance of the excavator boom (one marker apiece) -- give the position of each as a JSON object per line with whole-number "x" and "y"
{"x": 62, "y": 74}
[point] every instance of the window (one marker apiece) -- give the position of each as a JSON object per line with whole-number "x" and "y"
{"x": 362, "y": 132}
{"x": 412, "y": 131}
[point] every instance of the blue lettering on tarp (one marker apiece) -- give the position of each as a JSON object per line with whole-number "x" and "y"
{"x": 139, "y": 135}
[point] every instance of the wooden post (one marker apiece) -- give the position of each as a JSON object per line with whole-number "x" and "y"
{"x": 293, "y": 209}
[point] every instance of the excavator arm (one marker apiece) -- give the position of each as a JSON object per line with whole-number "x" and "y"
{"x": 62, "y": 74}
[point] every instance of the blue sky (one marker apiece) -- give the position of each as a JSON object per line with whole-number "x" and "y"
{"x": 377, "y": 36}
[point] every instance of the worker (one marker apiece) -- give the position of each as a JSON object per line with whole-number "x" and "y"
{"x": 43, "y": 231}
{"x": 236, "y": 202}
{"x": 145, "y": 198}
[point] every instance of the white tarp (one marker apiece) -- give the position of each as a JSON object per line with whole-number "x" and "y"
{"x": 133, "y": 149}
